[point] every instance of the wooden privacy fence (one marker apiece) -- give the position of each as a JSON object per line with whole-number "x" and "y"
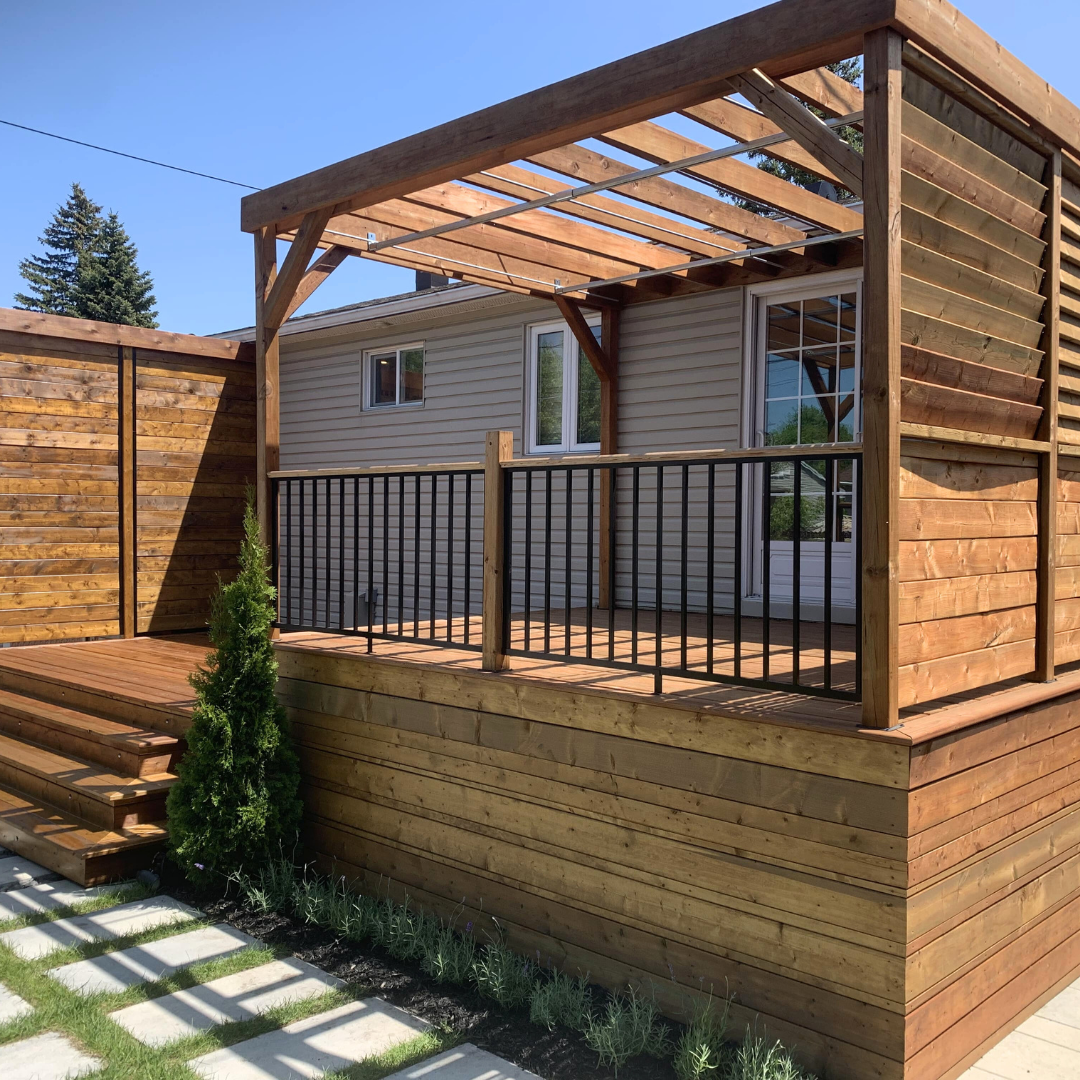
{"x": 124, "y": 455}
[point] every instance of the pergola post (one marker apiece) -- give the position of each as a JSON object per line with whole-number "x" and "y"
{"x": 609, "y": 444}
{"x": 880, "y": 509}
{"x": 268, "y": 414}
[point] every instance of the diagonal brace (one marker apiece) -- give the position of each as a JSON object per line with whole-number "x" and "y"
{"x": 317, "y": 273}
{"x": 571, "y": 312}
{"x": 293, "y": 268}
{"x": 811, "y": 133}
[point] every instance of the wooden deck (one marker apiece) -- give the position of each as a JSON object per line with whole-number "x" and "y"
{"x": 89, "y": 732}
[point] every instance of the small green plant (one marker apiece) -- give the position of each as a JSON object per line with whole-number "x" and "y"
{"x": 563, "y": 1000}
{"x": 450, "y": 956}
{"x": 236, "y": 801}
{"x": 630, "y": 1025}
{"x": 758, "y": 1059}
{"x": 702, "y": 1048}
{"x": 502, "y": 975}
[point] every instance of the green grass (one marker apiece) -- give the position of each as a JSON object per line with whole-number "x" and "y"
{"x": 85, "y": 1021}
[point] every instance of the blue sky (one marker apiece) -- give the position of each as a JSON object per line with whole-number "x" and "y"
{"x": 260, "y": 92}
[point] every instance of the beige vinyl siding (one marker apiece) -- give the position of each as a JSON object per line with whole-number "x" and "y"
{"x": 680, "y": 389}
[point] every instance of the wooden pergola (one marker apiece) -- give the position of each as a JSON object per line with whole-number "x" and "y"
{"x": 512, "y": 197}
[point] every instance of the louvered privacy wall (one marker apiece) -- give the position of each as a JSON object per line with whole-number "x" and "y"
{"x": 974, "y": 212}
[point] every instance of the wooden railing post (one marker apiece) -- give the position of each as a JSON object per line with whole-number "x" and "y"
{"x": 127, "y": 476}
{"x": 880, "y": 509}
{"x": 500, "y": 448}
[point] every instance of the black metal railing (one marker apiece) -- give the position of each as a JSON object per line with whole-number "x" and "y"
{"x": 740, "y": 569}
{"x": 395, "y": 554}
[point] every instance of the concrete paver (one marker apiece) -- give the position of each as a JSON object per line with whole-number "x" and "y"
{"x": 47, "y": 1057}
{"x": 12, "y": 1006}
{"x": 321, "y": 1043}
{"x": 233, "y": 997}
{"x": 15, "y": 872}
{"x": 466, "y": 1062}
{"x": 159, "y": 959}
{"x": 34, "y": 942}
{"x": 45, "y": 896}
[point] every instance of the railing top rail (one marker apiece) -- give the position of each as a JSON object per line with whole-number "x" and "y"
{"x": 460, "y": 467}
{"x": 679, "y": 457}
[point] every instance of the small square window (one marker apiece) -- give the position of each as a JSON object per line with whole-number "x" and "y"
{"x": 395, "y": 377}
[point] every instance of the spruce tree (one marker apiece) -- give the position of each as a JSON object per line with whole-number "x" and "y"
{"x": 236, "y": 802}
{"x": 109, "y": 286}
{"x": 53, "y": 277}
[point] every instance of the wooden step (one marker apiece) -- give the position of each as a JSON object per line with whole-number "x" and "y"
{"x": 81, "y": 788}
{"x": 123, "y": 748}
{"x": 77, "y": 849}
{"x": 135, "y": 682}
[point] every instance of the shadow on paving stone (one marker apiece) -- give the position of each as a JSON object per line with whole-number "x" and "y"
{"x": 554, "y": 1055}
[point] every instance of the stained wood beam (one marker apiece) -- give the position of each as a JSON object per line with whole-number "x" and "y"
{"x": 825, "y": 89}
{"x": 803, "y": 126}
{"x": 293, "y": 269}
{"x": 267, "y": 402}
{"x": 745, "y": 125}
{"x": 559, "y": 258}
{"x": 658, "y": 144}
{"x": 650, "y": 83}
{"x": 588, "y": 166}
{"x": 464, "y": 202}
{"x": 602, "y": 210}
{"x": 581, "y": 330}
{"x": 319, "y": 271}
{"x": 939, "y": 29}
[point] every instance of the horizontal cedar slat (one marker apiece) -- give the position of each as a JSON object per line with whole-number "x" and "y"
{"x": 940, "y": 406}
{"x": 931, "y": 640}
{"x": 924, "y": 560}
{"x": 958, "y": 519}
{"x": 938, "y": 303}
{"x": 963, "y": 343}
{"x": 935, "y": 599}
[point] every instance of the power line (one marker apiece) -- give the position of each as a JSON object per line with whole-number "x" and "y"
{"x": 133, "y": 157}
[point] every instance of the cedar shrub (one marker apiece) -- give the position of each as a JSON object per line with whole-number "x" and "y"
{"x": 236, "y": 801}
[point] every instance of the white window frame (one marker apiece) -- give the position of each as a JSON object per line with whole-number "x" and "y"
{"x": 754, "y": 368}
{"x": 367, "y": 376}
{"x": 573, "y": 357}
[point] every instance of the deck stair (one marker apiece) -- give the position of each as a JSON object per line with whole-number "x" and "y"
{"x": 87, "y": 748}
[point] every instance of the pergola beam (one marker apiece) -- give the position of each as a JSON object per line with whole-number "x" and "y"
{"x": 656, "y": 143}
{"x": 663, "y": 79}
{"x": 804, "y": 127}
{"x": 525, "y": 184}
{"x": 582, "y": 163}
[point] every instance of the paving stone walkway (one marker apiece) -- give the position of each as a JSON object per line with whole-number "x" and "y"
{"x": 1045, "y": 1047}
{"x": 330, "y": 1038}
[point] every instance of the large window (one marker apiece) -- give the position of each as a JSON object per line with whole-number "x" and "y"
{"x": 394, "y": 377}
{"x": 564, "y": 392}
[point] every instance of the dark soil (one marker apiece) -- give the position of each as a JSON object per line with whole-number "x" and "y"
{"x": 553, "y": 1055}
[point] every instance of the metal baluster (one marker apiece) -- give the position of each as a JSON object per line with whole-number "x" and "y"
{"x": 766, "y": 568}
{"x": 591, "y": 473}
{"x": 857, "y": 527}
{"x": 468, "y": 554}
{"x": 371, "y": 563}
{"x": 416, "y": 557}
{"x": 567, "y": 551}
{"x": 326, "y": 584}
{"x": 386, "y": 554}
{"x": 450, "y": 558}
{"x": 356, "y": 551}
{"x": 434, "y": 546}
{"x": 289, "y": 556}
{"x": 830, "y": 484}
{"x": 341, "y": 552}
{"x": 635, "y": 506}
{"x": 796, "y": 576}
{"x": 611, "y": 563}
{"x": 710, "y": 565}
{"x": 683, "y": 560}
{"x": 401, "y": 557}
{"x": 547, "y": 560}
{"x": 658, "y": 678}
{"x": 528, "y": 558}
{"x": 304, "y": 553}
{"x": 738, "y": 569}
